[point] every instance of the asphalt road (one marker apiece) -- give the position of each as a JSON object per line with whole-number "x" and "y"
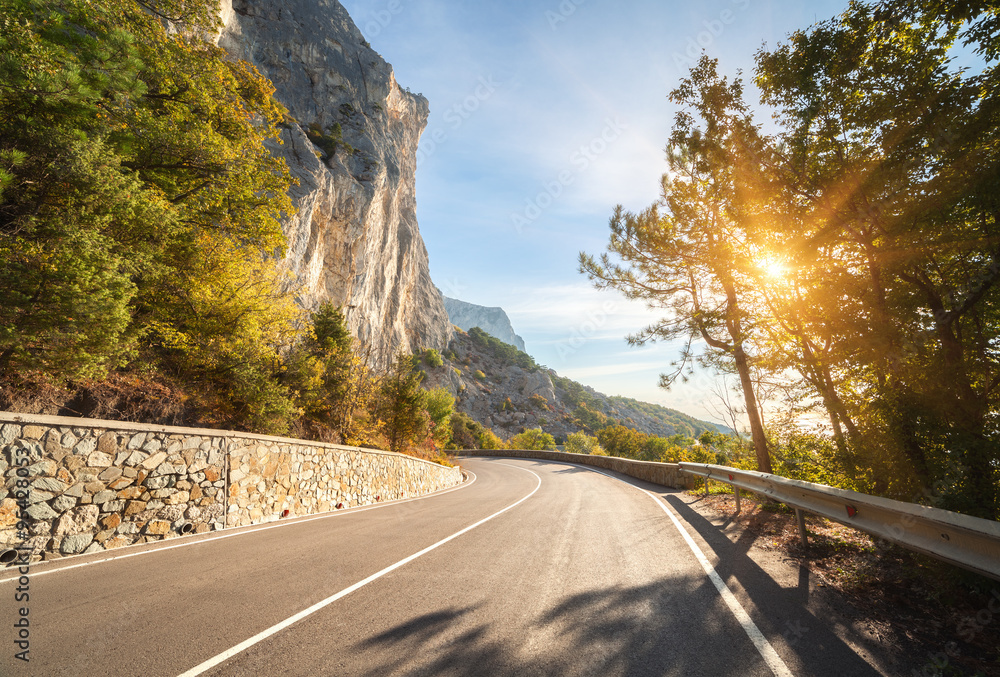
{"x": 532, "y": 568}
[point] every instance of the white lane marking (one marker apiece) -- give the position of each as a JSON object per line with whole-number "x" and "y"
{"x": 241, "y": 531}
{"x": 764, "y": 647}
{"x": 274, "y": 629}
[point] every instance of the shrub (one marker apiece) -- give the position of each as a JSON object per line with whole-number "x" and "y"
{"x": 533, "y": 439}
{"x": 432, "y": 358}
{"x": 582, "y": 443}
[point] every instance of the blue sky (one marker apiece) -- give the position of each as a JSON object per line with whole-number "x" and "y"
{"x": 544, "y": 116}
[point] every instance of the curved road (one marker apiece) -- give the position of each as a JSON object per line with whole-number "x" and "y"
{"x": 532, "y": 568}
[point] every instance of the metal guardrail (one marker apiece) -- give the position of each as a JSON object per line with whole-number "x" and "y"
{"x": 969, "y": 542}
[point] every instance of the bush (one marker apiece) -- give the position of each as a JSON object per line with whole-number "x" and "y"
{"x": 582, "y": 443}
{"x": 533, "y": 439}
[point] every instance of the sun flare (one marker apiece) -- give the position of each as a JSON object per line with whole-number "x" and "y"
{"x": 773, "y": 268}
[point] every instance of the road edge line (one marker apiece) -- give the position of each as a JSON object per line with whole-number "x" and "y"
{"x": 203, "y": 667}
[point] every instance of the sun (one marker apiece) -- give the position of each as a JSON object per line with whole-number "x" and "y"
{"x": 773, "y": 267}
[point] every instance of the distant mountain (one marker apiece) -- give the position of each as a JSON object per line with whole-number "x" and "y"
{"x": 493, "y": 321}
{"x": 505, "y": 390}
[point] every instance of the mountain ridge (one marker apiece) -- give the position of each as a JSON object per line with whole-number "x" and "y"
{"x": 505, "y": 390}
{"x": 491, "y": 319}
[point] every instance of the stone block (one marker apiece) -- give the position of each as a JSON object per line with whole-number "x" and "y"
{"x": 45, "y": 467}
{"x": 9, "y": 432}
{"x": 163, "y": 469}
{"x": 105, "y": 496}
{"x": 85, "y": 446}
{"x": 74, "y": 463}
{"x": 76, "y": 521}
{"x": 212, "y": 474}
{"x": 53, "y": 445}
{"x": 152, "y": 446}
{"x": 107, "y": 443}
{"x": 119, "y": 483}
{"x": 157, "y": 528}
{"x": 154, "y": 460}
{"x": 40, "y": 496}
{"x": 48, "y": 484}
{"x": 157, "y": 482}
{"x": 75, "y": 543}
{"x": 111, "y": 521}
{"x": 94, "y": 486}
{"x": 8, "y": 512}
{"x": 102, "y": 536}
{"x": 117, "y": 542}
{"x": 130, "y": 492}
{"x": 114, "y": 506}
{"x": 110, "y": 474}
{"x": 178, "y": 498}
{"x": 33, "y": 432}
{"x": 128, "y": 528}
{"x": 137, "y": 441}
{"x": 97, "y": 459}
{"x": 64, "y": 503}
{"x": 134, "y": 507}
{"x": 76, "y": 491}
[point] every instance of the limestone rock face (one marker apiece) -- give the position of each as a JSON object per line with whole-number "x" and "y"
{"x": 354, "y": 240}
{"x": 493, "y": 321}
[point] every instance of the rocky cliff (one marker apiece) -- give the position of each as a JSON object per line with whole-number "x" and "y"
{"x": 493, "y": 321}
{"x": 351, "y": 141}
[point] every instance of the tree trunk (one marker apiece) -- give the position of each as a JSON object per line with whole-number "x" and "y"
{"x": 753, "y": 413}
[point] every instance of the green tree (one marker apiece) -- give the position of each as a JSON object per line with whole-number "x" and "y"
{"x": 532, "y": 439}
{"x": 890, "y": 162}
{"x": 330, "y": 375}
{"x": 582, "y": 443}
{"x": 401, "y": 405}
{"x": 440, "y": 405}
{"x": 623, "y": 442}
{"x": 139, "y": 203}
{"x": 686, "y": 254}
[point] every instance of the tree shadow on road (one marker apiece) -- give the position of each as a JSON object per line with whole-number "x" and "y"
{"x": 673, "y": 626}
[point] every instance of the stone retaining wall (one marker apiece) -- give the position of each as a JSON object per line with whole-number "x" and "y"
{"x": 78, "y": 485}
{"x": 665, "y": 474}
{"x": 268, "y": 477}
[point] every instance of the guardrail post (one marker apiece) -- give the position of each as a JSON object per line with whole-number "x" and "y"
{"x": 736, "y": 490}
{"x": 706, "y": 487}
{"x": 801, "y": 518}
